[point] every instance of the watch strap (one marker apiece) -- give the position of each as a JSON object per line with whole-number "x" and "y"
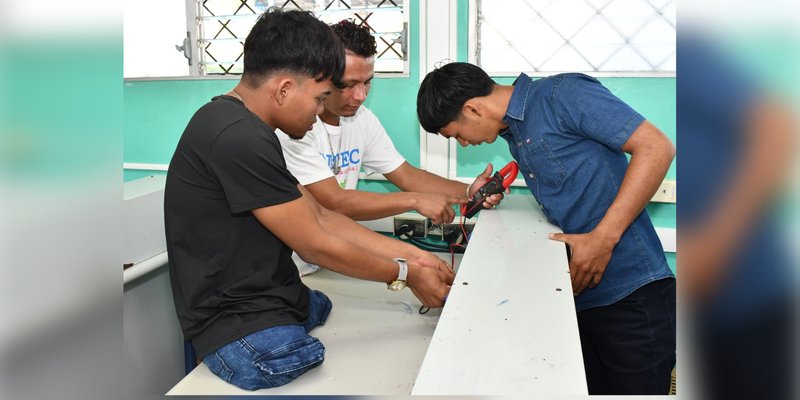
{"x": 402, "y": 274}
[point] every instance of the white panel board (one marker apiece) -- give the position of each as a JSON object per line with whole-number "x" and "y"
{"x": 509, "y": 326}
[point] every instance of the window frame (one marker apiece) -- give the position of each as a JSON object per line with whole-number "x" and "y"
{"x": 474, "y": 47}
{"x": 193, "y": 27}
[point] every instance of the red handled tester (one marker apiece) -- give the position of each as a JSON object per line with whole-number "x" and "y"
{"x": 496, "y": 184}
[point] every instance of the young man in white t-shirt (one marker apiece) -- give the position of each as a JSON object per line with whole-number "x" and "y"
{"x": 348, "y": 136}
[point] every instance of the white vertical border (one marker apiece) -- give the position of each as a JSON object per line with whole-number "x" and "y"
{"x": 472, "y": 39}
{"x": 407, "y": 21}
{"x": 438, "y": 42}
{"x": 193, "y": 27}
{"x": 423, "y": 59}
{"x": 472, "y": 51}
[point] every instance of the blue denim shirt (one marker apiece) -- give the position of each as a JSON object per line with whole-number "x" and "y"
{"x": 566, "y": 132}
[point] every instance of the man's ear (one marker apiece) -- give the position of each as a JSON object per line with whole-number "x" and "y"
{"x": 283, "y": 88}
{"x": 472, "y": 109}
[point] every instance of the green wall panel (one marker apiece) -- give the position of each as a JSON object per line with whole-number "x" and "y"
{"x": 671, "y": 261}
{"x": 132, "y": 174}
{"x": 156, "y": 112}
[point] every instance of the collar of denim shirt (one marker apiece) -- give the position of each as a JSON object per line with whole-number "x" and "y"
{"x": 516, "y": 105}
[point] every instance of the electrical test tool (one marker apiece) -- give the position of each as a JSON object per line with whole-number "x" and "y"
{"x": 496, "y": 184}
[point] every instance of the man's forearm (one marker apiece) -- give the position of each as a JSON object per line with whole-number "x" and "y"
{"x": 411, "y": 179}
{"x": 638, "y": 187}
{"x": 648, "y": 165}
{"x": 364, "y": 206}
{"x": 298, "y": 223}
{"x": 432, "y": 183}
{"x": 381, "y": 245}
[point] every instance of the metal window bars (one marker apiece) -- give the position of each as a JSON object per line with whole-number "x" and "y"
{"x": 224, "y": 24}
{"x": 544, "y": 36}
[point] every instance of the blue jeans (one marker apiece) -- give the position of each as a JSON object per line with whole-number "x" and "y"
{"x": 629, "y": 346}
{"x": 274, "y": 356}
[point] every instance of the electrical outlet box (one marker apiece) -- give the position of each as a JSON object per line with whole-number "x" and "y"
{"x": 452, "y": 233}
{"x": 412, "y": 225}
{"x": 666, "y": 193}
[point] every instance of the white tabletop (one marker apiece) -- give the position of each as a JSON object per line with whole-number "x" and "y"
{"x": 374, "y": 341}
{"x": 509, "y": 326}
{"x": 508, "y": 331}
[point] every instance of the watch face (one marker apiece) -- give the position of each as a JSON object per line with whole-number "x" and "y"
{"x": 397, "y": 285}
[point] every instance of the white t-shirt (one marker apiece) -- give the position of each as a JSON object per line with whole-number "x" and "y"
{"x": 359, "y": 141}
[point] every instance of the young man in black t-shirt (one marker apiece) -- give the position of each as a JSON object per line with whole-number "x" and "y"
{"x": 234, "y": 213}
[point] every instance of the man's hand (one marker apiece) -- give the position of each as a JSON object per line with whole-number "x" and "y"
{"x": 426, "y": 259}
{"x": 430, "y": 285}
{"x": 437, "y": 207}
{"x": 492, "y": 200}
{"x": 591, "y": 253}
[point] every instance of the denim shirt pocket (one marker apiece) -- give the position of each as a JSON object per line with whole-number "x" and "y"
{"x": 543, "y": 162}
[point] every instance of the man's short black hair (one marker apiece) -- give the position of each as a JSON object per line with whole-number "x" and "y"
{"x": 356, "y": 38}
{"x": 445, "y": 90}
{"x": 292, "y": 41}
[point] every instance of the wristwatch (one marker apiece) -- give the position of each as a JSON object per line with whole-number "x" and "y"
{"x": 399, "y": 283}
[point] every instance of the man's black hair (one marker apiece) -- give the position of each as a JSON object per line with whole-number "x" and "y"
{"x": 445, "y": 90}
{"x": 292, "y": 41}
{"x": 356, "y": 38}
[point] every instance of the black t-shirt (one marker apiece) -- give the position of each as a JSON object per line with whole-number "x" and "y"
{"x": 230, "y": 275}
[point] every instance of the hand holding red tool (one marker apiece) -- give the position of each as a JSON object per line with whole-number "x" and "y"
{"x": 496, "y": 184}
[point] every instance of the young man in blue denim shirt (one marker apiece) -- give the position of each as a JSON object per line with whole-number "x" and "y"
{"x": 569, "y": 135}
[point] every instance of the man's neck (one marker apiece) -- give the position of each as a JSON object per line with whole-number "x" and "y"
{"x": 329, "y": 118}
{"x": 502, "y": 95}
{"x": 252, "y": 100}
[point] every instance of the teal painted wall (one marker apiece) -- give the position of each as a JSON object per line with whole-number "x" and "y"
{"x": 131, "y": 174}
{"x": 156, "y": 112}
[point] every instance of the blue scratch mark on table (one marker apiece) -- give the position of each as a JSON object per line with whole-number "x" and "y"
{"x": 502, "y": 302}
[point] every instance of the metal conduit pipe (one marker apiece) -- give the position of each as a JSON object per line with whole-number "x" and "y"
{"x": 140, "y": 269}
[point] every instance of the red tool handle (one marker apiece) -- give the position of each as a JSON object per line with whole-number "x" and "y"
{"x": 498, "y": 183}
{"x": 509, "y": 173}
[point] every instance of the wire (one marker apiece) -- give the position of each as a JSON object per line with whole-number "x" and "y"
{"x": 428, "y": 246}
{"x": 464, "y": 231}
{"x": 453, "y": 252}
{"x": 405, "y": 231}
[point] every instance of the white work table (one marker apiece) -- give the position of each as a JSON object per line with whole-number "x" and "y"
{"x": 374, "y": 341}
{"x": 509, "y": 326}
{"x": 508, "y": 330}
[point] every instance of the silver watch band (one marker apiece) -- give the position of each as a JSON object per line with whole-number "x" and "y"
{"x": 402, "y": 273}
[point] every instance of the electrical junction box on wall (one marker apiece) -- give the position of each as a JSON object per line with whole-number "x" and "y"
{"x": 667, "y": 192}
{"x": 411, "y": 225}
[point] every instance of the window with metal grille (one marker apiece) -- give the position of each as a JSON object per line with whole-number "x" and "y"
{"x": 223, "y": 26}
{"x": 624, "y": 37}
